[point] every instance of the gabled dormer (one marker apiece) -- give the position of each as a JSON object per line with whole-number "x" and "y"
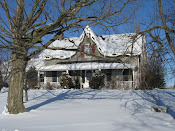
{"x": 88, "y": 47}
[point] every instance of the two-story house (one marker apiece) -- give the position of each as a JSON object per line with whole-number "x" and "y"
{"x": 117, "y": 56}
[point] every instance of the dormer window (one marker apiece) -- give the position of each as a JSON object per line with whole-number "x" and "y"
{"x": 88, "y": 50}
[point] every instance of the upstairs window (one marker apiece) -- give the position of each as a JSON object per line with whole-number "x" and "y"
{"x": 89, "y": 49}
{"x": 93, "y": 49}
{"x": 82, "y": 50}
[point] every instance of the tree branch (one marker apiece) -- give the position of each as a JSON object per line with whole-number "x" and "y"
{"x": 31, "y": 18}
{"x": 7, "y": 14}
{"x": 4, "y": 30}
{"x": 19, "y": 13}
{"x": 42, "y": 47}
{"x": 164, "y": 23}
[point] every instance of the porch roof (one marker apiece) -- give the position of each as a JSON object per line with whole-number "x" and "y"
{"x": 86, "y": 66}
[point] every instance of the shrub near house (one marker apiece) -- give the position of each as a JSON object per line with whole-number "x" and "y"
{"x": 66, "y": 81}
{"x": 97, "y": 81}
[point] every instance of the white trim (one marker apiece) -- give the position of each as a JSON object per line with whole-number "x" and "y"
{"x": 86, "y": 66}
{"x": 38, "y": 78}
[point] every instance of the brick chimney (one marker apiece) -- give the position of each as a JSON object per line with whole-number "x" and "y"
{"x": 138, "y": 29}
{"x": 61, "y": 36}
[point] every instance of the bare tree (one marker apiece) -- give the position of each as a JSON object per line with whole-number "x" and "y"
{"x": 160, "y": 32}
{"x": 162, "y": 28}
{"x": 28, "y": 27}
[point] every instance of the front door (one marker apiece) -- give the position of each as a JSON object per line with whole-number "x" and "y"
{"x": 86, "y": 77}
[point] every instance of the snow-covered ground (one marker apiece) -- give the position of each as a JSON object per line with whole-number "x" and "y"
{"x": 90, "y": 110}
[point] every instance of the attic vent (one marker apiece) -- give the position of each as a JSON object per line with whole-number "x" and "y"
{"x": 47, "y": 57}
{"x": 99, "y": 48}
{"x": 61, "y": 56}
{"x": 93, "y": 38}
{"x": 114, "y": 54}
{"x": 102, "y": 37}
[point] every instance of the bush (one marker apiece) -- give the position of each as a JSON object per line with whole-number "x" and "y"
{"x": 97, "y": 81}
{"x": 48, "y": 86}
{"x": 154, "y": 74}
{"x": 66, "y": 81}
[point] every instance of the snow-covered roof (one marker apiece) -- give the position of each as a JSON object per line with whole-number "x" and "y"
{"x": 61, "y": 54}
{"x": 35, "y": 62}
{"x": 108, "y": 45}
{"x": 86, "y": 66}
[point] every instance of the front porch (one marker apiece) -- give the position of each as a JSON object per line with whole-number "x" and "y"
{"x": 114, "y": 78}
{"x": 116, "y": 75}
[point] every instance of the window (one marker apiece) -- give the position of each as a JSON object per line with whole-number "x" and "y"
{"x": 54, "y": 79}
{"x": 88, "y": 50}
{"x": 117, "y": 72}
{"x": 82, "y": 50}
{"x": 89, "y": 74}
{"x": 93, "y": 48}
{"x": 127, "y": 74}
{"x": 54, "y": 76}
{"x": 83, "y": 76}
{"x": 74, "y": 73}
{"x": 41, "y": 77}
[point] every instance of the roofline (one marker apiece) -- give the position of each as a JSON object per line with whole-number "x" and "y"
{"x": 86, "y": 66}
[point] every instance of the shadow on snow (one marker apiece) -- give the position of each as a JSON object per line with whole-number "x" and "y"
{"x": 133, "y": 105}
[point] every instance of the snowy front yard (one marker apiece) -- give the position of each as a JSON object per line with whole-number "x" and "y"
{"x": 90, "y": 110}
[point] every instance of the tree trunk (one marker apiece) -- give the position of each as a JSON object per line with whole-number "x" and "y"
{"x": 15, "y": 93}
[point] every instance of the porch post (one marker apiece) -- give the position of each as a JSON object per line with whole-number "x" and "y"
{"x": 80, "y": 79}
{"x": 85, "y": 79}
{"x": 45, "y": 77}
{"x": 133, "y": 80}
{"x": 38, "y": 78}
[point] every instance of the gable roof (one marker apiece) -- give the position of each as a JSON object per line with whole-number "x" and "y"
{"x": 108, "y": 45}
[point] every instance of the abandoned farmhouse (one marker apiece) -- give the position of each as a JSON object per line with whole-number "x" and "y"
{"x": 118, "y": 57}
